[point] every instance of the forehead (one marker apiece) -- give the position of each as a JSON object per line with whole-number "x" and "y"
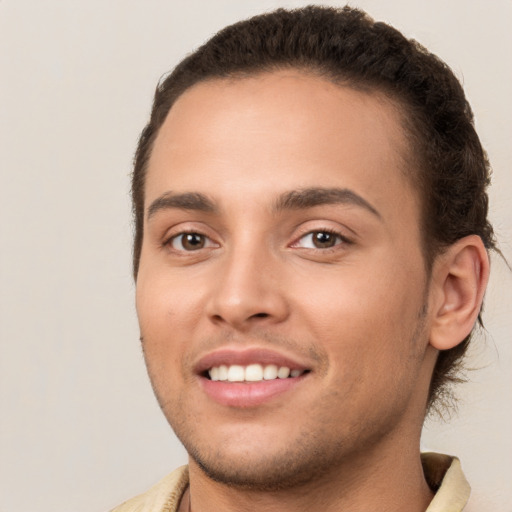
{"x": 277, "y": 131}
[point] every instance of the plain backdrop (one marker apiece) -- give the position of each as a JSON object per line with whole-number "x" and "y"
{"x": 79, "y": 427}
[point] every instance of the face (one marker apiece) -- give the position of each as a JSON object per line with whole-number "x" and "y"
{"x": 282, "y": 291}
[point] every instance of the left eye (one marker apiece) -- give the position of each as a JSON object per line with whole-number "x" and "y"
{"x": 190, "y": 242}
{"x": 319, "y": 240}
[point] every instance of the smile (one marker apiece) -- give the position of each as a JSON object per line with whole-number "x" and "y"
{"x": 250, "y": 377}
{"x": 252, "y": 373}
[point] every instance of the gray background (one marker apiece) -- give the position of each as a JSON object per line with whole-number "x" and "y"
{"x": 79, "y": 427}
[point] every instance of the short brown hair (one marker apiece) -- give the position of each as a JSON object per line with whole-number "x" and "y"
{"x": 451, "y": 170}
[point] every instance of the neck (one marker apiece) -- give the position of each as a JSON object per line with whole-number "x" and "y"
{"x": 392, "y": 481}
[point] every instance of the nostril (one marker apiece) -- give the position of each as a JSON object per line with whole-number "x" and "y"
{"x": 260, "y": 315}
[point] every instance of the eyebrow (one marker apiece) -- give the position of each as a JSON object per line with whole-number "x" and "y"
{"x": 185, "y": 201}
{"x": 311, "y": 197}
{"x": 294, "y": 200}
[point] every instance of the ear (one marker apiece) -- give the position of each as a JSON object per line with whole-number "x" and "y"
{"x": 459, "y": 279}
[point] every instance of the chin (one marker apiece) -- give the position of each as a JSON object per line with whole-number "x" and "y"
{"x": 271, "y": 473}
{"x": 285, "y": 463}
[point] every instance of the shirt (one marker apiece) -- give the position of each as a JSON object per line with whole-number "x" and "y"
{"x": 442, "y": 472}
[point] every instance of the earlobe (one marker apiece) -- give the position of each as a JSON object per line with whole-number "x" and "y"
{"x": 460, "y": 277}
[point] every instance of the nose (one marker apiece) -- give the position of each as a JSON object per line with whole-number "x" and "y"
{"x": 248, "y": 291}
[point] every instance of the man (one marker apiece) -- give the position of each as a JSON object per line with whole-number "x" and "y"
{"x": 311, "y": 258}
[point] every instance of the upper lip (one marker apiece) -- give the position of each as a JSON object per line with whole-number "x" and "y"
{"x": 244, "y": 357}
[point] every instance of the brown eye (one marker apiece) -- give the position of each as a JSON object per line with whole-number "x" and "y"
{"x": 189, "y": 242}
{"x": 320, "y": 240}
{"x": 323, "y": 239}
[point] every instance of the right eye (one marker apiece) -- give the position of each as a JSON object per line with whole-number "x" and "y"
{"x": 190, "y": 242}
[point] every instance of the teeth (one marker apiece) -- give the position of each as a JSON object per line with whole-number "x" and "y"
{"x": 269, "y": 372}
{"x": 254, "y": 372}
{"x": 236, "y": 373}
{"x": 214, "y": 373}
{"x": 251, "y": 373}
{"x": 223, "y": 372}
{"x": 283, "y": 372}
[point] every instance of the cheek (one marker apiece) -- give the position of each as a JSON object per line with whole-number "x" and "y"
{"x": 367, "y": 318}
{"x": 368, "y": 334}
{"x": 158, "y": 321}
{"x": 165, "y": 303}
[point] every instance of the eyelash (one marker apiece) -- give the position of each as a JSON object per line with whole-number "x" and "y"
{"x": 168, "y": 242}
{"x": 340, "y": 241}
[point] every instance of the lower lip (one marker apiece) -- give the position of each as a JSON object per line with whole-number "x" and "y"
{"x": 248, "y": 394}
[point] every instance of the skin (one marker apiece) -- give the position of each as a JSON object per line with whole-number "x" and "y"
{"x": 361, "y": 315}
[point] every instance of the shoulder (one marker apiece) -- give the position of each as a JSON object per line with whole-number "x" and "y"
{"x": 162, "y": 497}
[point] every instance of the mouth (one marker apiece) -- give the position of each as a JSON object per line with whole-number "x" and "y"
{"x": 248, "y": 378}
{"x": 252, "y": 373}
